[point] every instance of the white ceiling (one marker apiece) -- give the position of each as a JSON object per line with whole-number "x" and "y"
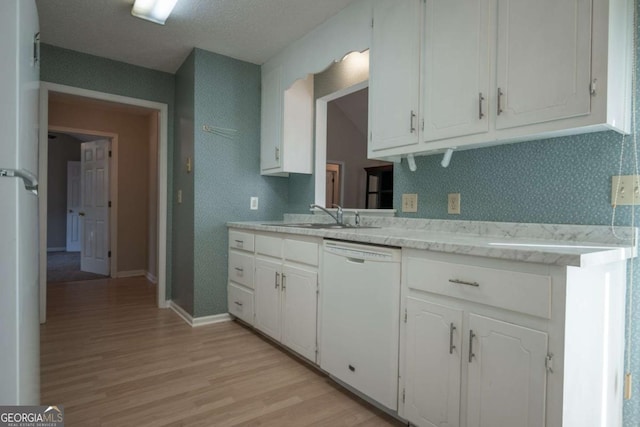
{"x": 250, "y": 30}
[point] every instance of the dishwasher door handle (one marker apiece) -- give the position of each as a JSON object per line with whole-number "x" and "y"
{"x": 355, "y": 260}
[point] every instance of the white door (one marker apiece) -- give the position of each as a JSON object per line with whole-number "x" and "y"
{"x": 507, "y": 377}
{"x": 73, "y": 207}
{"x": 268, "y": 279}
{"x": 95, "y": 207}
{"x": 394, "y": 77}
{"x": 299, "y": 310}
{"x": 433, "y": 348}
{"x": 544, "y": 61}
{"x": 19, "y": 328}
{"x": 456, "y": 68}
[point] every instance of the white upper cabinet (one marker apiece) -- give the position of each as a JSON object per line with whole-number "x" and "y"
{"x": 490, "y": 72}
{"x": 456, "y": 66}
{"x": 394, "y": 73}
{"x": 544, "y": 61}
{"x": 287, "y": 125}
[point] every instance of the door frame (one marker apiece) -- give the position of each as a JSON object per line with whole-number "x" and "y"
{"x": 113, "y": 188}
{"x": 163, "y": 123}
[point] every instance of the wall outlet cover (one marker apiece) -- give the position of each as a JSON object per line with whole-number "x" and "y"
{"x": 627, "y": 188}
{"x": 253, "y": 205}
{"x": 453, "y": 205}
{"x": 409, "y": 203}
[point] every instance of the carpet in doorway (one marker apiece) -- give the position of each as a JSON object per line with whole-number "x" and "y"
{"x": 65, "y": 267}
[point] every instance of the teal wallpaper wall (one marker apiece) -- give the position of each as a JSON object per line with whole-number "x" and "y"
{"x": 227, "y": 170}
{"x": 183, "y": 237}
{"x": 71, "y": 68}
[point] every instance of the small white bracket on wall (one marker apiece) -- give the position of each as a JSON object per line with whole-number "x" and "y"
{"x": 411, "y": 161}
{"x": 447, "y": 157}
{"x": 224, "y": 132}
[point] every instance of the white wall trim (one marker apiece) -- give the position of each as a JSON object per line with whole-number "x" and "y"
{"x": 131, "y": 273}
{"x": 60, "y": 249}
{"x": 150, "y": 277}
{"x": 199, "y": 321}
{"x": 163, "y": 123}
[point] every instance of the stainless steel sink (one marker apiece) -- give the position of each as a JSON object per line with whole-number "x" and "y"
{"x": 321, "y": 226}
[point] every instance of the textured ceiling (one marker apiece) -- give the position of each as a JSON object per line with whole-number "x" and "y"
{"x": 250, "y": 30}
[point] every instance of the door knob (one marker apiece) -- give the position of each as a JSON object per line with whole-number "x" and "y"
{"x": 70, "y": 210}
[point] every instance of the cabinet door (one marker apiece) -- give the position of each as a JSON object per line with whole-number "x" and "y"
{"x": 433, "y": 347}
{"x": 394, "y": 74}
{"x": 455, "y": 68}
{"x": 271, "y": 120}
{"x": 299, "y": 310}
{"x": 544, "y": 61}
{"x": 267, "y": 297}
{"x": 507, "y": 377}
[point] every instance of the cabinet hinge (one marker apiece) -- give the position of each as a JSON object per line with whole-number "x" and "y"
{"x": 593, "y": 87}
{"x": 371, "y": 22}
{"x": 370, "y": 136}
{"x": 403, "y": 395}
{"x": 405, "y": 315}
{"x": 109, "y": 254}
{"x": 109, "y": 203}
{"x": 109, "y": 153}
{"x": 548, "y": 362}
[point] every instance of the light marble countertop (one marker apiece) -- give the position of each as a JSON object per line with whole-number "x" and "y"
{"x": 565, "y": 245}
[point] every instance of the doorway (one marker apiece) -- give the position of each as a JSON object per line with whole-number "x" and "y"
{"x": 75, "y": 250}
{"x": 159, "y": 234}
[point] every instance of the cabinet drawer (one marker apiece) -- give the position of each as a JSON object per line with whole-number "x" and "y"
{"x": 240, "y": 302}
{"x": 301, "y": 251}
{"x": 522, "y": 292}
{"x": 241, "y": 268}
{"x": 269, "y": 245}
{"x": 241, "y": 240}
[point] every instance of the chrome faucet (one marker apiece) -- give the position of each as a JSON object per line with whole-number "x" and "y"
{"x": 338, "y": 216}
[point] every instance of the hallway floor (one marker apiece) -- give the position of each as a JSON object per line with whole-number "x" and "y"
{"x": 111, "y": 358}
{"x": 65, "y": 267}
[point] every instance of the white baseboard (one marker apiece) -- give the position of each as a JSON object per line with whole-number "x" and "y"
{"x": 62, "y": 249}
{"x": 150, "y": 277}
{"x": 132, "y": 273}
{"x": 198, "y": 321}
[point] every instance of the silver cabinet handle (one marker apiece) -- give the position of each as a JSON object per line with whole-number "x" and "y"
{"x": 451, "y": 345}
{"x": 462, "y": 282}
{"x": 284, "y": 278}
{"x": 277, "y": 279}
{"x": 500, "y": 93}
{"x": 240, "y": 243}
{"x": 412, "y": 118}
{"x": 471, "y": 337}
{"x": 480, "y": 99}
{"x": 239, "y": 304}
{"x": 277, "y": 153}
{"x": 239, "y": 269}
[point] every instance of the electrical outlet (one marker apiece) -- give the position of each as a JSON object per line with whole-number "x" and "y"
{"x": 409, "y": 203}
{"x": 628, "y": 190}
{"x": 453, "y": 206}
{"x": 253, "y": 205}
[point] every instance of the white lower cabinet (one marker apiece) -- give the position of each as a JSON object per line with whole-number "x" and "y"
{"x": 495, "y": 343}
{"x": 285, "y": 289}
{"x": 433, "y": 347}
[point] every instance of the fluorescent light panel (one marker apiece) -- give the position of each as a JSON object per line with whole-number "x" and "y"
{"x": 153, "y": 10}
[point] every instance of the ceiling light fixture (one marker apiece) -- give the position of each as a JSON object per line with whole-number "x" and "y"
{"x": 153, "y": 10}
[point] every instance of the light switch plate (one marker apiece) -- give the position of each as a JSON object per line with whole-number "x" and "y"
{"x": 453, "y": 205}
{"x": 409, "y": 203}
{"x": 628, "y": 190}
{"x": 253, "y": 205}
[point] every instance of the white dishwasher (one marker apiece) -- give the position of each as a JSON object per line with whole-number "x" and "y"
{"x": 360, "y": 318}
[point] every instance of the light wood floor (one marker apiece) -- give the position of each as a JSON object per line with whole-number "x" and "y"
{"x": 113, "y": 359}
